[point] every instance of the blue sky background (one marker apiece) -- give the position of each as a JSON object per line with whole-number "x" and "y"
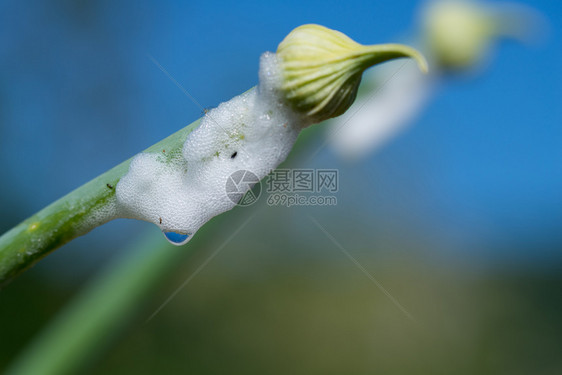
{"x": 480, "y": 170}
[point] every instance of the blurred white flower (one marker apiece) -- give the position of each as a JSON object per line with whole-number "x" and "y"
{"x": 400, "y": 94}
{"x": 456, "y": 36}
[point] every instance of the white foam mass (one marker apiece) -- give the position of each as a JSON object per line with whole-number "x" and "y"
{"x": 254, "y": 131}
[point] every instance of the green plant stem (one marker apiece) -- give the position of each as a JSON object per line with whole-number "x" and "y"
{"x": 71, "y": 216}
{"x": 95, "y": 317}
{"x": 88, "y": 324}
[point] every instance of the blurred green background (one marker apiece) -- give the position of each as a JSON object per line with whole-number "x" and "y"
{"x": 459, "y": 218}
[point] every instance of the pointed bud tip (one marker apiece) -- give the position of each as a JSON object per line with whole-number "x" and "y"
{"x": 390, "y": 51}
{"x": 421, "y": 61}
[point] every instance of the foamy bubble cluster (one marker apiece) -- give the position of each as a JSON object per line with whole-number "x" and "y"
{"x": 254, "y": 131}
{"x": 313, "y": 76}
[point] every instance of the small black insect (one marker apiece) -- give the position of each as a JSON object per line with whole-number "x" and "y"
{"x": 109, "y": 186}
{"x": 160, "y": 220}
{"x": 234, "y": 155}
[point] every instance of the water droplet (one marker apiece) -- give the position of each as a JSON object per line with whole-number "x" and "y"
{"x": 177, "y": 239}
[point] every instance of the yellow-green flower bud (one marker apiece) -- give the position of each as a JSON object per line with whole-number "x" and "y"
{"x": 321, "y": 69}
{"x": 459, "y": 33}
